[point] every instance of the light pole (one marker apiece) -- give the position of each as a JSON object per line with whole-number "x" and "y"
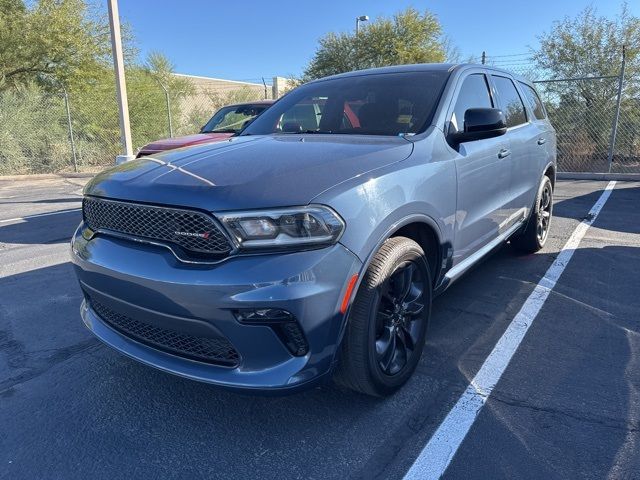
{"x": 361, "y": 18}
{"x": 121, "y": 86}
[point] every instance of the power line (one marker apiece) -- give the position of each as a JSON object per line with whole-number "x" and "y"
{"x": 512, "y": 64}
{"x": 511, "y": 55}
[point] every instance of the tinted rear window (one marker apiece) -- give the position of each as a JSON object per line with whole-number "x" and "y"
{"x": 510, "y": 101}
{"x": 534, "y": 101}
{"x": 376, "y": 104}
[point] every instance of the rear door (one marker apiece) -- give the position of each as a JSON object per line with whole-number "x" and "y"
{"x": 523, "y": 134}
{"x": 483, "y": 180}
{"x": 544, "y": 147}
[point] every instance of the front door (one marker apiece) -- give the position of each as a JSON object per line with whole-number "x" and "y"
{"x": 483, "y": 173}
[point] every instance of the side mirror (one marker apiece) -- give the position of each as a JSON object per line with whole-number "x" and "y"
{"x": 480, "y": 123}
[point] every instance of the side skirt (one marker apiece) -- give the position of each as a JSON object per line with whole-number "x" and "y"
{"x": 458, "y": 270}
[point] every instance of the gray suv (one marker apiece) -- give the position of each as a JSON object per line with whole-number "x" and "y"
{"x": 311, "y": 245}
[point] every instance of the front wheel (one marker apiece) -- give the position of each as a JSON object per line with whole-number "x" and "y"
{"x": 535, "y": 234}
{"x": 388, "y": 320}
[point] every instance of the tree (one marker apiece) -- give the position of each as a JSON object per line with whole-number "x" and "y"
{"x": 54, "y": 41}
{"x": 33, "y": 126}
{"x": 49, "y": 47}
{"x": 407, "y": 37}
{"x": 147, "y": 101}
{"x": 590, "y": 45}
{"x": 160, "y": 68}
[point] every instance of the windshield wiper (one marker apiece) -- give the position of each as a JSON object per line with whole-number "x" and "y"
{"x": 309, "y": 131}
{"x": 222, "y": 130}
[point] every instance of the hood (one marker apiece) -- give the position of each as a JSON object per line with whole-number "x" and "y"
{"x": 177, "y": 142}
{"x": 249, "y": 172}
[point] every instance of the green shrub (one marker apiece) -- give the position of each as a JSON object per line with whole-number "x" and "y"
{"x": 34, "y": 135}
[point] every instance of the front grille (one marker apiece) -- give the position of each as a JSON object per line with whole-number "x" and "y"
{"x": 195, "y": 232}
{"x": 205, "y": 349}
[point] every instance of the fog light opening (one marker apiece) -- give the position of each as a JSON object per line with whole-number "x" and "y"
{"x": 283, "y": 323}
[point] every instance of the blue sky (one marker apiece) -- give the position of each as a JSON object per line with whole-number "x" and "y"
{"x": 245, "y": 40}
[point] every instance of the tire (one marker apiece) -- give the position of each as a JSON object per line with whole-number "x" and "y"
{"x": 377, "y": 324}
{"x": 535, "y": 233}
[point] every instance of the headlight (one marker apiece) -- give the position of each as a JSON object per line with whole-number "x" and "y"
{"x": 285, "y": 227}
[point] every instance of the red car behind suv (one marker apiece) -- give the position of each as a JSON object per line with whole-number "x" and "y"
{"x": 226, "y": 122}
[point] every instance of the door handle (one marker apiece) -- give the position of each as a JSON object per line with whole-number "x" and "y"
{"x": 541, "y": 141}
{"x": 503, "y": 153}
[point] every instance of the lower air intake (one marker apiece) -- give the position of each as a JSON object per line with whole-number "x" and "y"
{"x": 205, "y": 349}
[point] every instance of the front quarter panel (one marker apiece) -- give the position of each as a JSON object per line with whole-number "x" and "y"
{"x": 421, "y": 188}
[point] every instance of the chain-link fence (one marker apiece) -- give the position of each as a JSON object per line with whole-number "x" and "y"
{"x": 198, "y": 107}
{"x": 596, "y": 117}
{"x": 34, "y": 129}
{"x": 44, "y": 132}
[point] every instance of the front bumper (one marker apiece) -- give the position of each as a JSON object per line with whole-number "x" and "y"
{"x": 147, "y": 283}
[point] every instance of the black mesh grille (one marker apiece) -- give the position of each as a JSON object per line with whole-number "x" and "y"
{"x": 193, "y": 231}
{"x": 211, "y": 350}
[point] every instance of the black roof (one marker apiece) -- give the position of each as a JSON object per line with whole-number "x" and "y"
{"x": 420, "y": 67}
{"x": 255, "y": 102}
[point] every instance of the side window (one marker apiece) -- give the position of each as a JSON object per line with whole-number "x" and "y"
{"x": 534, "y": 101}
{"x": 474, "y": 93}
{"x": 510, "y": 101}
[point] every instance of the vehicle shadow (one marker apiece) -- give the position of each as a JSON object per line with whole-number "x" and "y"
{"x": 627, "y": 200}
{"x": 47, "y": 229}
{"x": 77, "y": 200}
{"x": 577, "y": 364}
{"x": 571, "y": 384}
{"x": 312, "y": 432}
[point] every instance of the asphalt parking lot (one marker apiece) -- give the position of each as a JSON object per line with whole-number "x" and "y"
{"x": 567, "y": 406}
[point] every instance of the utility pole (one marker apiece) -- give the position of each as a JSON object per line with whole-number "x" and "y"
{"x": 121, "y": 84}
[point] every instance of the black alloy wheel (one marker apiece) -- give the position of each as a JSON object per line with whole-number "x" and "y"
{"x": 544, "y": 213}
{"x": 387, "y": 322}
{"x": 398, "y": 318}
{"x": 533, "y": 236}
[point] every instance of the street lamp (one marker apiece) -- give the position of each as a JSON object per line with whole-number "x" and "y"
{"x": 361, "y": 18}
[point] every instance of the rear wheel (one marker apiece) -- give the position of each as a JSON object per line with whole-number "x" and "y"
{"x": 388, "y": 320}
{"x": 535, "y": 234}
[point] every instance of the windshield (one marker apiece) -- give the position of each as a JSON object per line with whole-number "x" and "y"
{"x": 233, "y": 119}
{"x": 377, "y": 104}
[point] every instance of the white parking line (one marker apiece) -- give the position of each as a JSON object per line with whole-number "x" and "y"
{"x": 443, "y": 445}
{"x": 27, "y": 217}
